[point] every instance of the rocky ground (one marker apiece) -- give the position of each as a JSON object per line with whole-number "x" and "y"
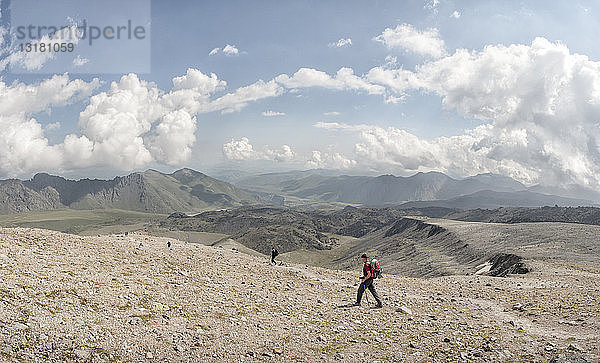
{"x": 132, "y": 298}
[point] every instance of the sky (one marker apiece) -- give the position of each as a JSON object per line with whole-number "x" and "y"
{"x": 363, "y": 87}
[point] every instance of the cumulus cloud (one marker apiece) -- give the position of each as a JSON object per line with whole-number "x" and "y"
{"x": 271, "y": 113}
{"x": 174, "y": 137}
{"x": 456, "y": 14}
{"x": 130, "y": 125}
{"x": 135, "y": 123}
{"x": 395, "y": 150}
{"x": 425, "y": 43}
{"x": 23, "y": 146}
{"x": 329, "y": 160}
{"x": 242, "y": 149}
{"x": 284, "y": 154}
{"x": 540, "y": 91}
{"x": 343, "y": 42}
{"x": 541, "y": 104}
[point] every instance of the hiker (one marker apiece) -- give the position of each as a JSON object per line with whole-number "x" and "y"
{"x": 367, "y": 283}
{"x": 274, "y": 254}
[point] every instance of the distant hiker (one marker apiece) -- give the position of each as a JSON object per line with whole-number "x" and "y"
{"x": 274, "y": 254}
{"x": 169, "y": 244}
{"x": 367, "y": 283}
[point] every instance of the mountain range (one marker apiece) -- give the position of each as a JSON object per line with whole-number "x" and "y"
{"x": 190, "y": 191}
{"x": 418, "y": 190}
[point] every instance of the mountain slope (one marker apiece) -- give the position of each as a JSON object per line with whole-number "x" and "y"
{"x": 131, "y": 299}
{"x": 185, "y": 190}
{"x": 435, "y": 247}
{"x": 16, "y": 197}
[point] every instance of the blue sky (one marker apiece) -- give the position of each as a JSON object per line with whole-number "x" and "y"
{"x": 384, "y": 129}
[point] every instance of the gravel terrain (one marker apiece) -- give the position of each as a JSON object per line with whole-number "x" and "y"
{"x": 131, "y": 298}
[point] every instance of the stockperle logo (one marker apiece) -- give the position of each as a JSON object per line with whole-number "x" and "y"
{"x": 106, "y": 36}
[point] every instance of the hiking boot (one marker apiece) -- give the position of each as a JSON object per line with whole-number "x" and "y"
{"x": 355, "y": 304}
{"x": 379, "y": 306}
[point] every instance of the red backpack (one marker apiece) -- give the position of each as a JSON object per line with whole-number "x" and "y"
{"x": 375, "y": 269}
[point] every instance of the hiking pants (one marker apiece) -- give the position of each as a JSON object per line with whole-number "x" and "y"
{"x": 369, "y": 285}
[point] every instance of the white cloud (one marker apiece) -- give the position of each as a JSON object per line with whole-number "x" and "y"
{"x": 343, "y": 42}
{"x": 52, "y": 126}
{"x": 395, "y": 150}
{"x": 237, "y": 100}
{"x": 425, "y": 43}
{"x": 271, "y": 113}
{"x": 432, "y": 5}
{"x": 114, "y": 122}
{"x": 135, "y": 123}
{"x": 541, "y": 102}
{"x": 549, "y": 97}
{"x": 331, "y": 113}
{"x": 79, "y": 61}
{"x": 242, "y": 149}
{"x": 132, "y": 124}
{"x": 397, "y": 80}
{"x": 345, "y": 79}
{"x": 329, "y": 160}
{"x": 285, "y": 154}
{"x": 21, "y": 98}
{"x": 198, "y": 82}
{"x": 456, "y": 14}
{"x": 175, "y": 135}
{"x": 541, "y": 105}
{"x": 23, "y": 146}
{"x": 229, "y": 50}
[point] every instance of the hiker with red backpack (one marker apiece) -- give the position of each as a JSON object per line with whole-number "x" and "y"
{"x": 371, "y": 271}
